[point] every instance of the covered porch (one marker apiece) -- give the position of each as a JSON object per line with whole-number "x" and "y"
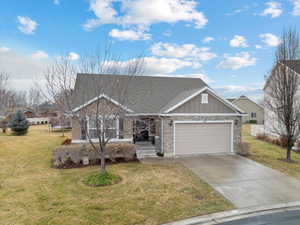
{"x": 147, "y": 136}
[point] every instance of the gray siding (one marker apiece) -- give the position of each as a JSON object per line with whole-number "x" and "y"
{"x": 194, "y": 106}
{"x": 250, "y": 107}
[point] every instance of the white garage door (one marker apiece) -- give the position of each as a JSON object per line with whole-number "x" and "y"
{"x": 197, "y": 138}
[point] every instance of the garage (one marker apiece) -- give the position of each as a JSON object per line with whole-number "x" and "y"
{"x": 195, "y": 137}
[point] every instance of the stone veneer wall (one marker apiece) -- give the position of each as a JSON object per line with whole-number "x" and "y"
{"x": 168, "y": 130}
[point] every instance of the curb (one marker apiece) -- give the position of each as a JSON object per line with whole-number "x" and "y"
{"x": 216, "y": 218}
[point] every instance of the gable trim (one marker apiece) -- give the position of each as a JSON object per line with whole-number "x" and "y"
{"x": 98, "y": 98}
{"x": 224, "y": 101}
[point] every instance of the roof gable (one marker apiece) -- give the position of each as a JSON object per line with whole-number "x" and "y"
{"x": 245, "y": 98}
{"x": 294, "y": 65}
{"x": 212, "y": 94}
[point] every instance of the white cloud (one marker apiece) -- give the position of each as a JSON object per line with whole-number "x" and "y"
{"x": 274, "y": 9}
{"x": 238, "y": 61}
{"x": 56, "y": 2}
{"x": 73, "y": 56}
{"x": 258, "y": 46}
{"x": 129, "y": 35}
{"x": 207, "y": 39}
{"x": 22, "y": 67}
{"x": 296, "y": 9}
{"x": 238, "y": 88}
{"x": 187, "y": 51}
{"x": 155, "y": 65}
{"x": 4, "y": 49}
{"x": 40, "y": 55}
{"x": 163, "y": 65}
{"x": 27, "y": 25}
{"x": 238, "y": 41}
{"x": 270, "y": 39}
{"x": 144, "y": 13}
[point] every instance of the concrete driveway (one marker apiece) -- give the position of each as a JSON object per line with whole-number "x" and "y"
{"x": 242, "y": 181}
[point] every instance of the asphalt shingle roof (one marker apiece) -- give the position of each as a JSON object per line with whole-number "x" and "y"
{"x": 145, "y": 94}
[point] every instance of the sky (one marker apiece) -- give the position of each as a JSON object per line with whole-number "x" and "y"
{"x": 230, "y": 43}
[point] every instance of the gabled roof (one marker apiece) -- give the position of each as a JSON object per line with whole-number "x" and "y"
{"x": 231, "y": 99}
{"x": 178, "y": 102}
{"x": 246, "y": 98}
{"x": 292, "y": 64}
{"x": 144, "y": 94}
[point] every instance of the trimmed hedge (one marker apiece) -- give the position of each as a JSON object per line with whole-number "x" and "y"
{"x": 74, "y": 155}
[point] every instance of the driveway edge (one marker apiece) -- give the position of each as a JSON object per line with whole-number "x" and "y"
{"x": 231, "y": 215}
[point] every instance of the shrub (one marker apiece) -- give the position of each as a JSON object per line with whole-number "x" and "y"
{"x": 282, "y": 141}
{"x": 69, "y": 156}
{"x": 67, "y": 141}
{"x": 243, "y": 149}
{"x": 253, "y": 121}
{"x": 102, "y": 179}
{"x": 19, "y": 125}
{"x": 262, "y": 137}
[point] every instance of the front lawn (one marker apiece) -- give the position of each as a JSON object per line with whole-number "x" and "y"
{"x": 270, "y": 155}
{"x": 31, "y": 192}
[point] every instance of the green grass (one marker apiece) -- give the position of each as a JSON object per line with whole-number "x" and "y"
{"x": 271, "y": 155}
{"x": 102, "y": 179}
{"x": 31, "y": 192}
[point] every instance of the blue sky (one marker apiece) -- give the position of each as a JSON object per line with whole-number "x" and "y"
{"x": 229, "y": 43}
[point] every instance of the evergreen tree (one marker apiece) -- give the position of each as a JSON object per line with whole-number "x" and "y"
{"x": 19, "y": 125}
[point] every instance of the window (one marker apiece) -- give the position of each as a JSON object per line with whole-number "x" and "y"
{"x": 109, "y": 126}
{"x": 253, "y": 115}
{"x": 204, "y": 98}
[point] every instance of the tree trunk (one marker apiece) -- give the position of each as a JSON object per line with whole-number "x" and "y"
{"x": 102, "y": 160}
{"x": 289, "y": 150}
{"x": 103, "y": 166}
{"x": 288, "y": 154}
{"x": 62, "y": 129}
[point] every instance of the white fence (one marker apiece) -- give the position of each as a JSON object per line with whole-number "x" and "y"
{"x": 257, "y": 129}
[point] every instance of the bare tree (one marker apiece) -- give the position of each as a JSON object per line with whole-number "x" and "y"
{"x": 34, "y": 98}
{"x": 60, "y": 78}
{"x": 98, "y": 119}
{"x": 4, "y": 77}
{"x": 282, "y": 92}
{"x": 110, "y": 94}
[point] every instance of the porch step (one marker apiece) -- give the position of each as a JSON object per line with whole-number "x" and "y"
{"x": 146, "y": 153}
{"x": 145, "y": 150}
{"x": 142, "y": 156}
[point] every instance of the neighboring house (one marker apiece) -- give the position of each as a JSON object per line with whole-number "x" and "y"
{"x": 255, "y": 112}
{"x": 178, "y": 116}
{"x": 271, "y": 121}
{"x": 29, "y": 113}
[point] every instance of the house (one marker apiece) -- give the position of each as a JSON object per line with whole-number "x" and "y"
{"x": 29, "y": 113}
{"x": 175, "y": 115}
{"x": 271, "y": 121}
{"x": 255, "y": 112}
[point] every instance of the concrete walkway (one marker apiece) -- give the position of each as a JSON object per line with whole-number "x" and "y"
{"x": 242, "y": 181}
